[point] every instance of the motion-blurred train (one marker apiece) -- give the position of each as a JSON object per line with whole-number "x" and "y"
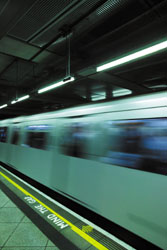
{"x": 110, "y": 157}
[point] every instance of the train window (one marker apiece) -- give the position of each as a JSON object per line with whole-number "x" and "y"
{"x": 73, "y": 141}
{"x": 3, "y": 134}
{"x": 37, "y": 140}
{"x": 38, "y": 136}
{"x": 139, "y": 144}
{"x": 15, "y": 136}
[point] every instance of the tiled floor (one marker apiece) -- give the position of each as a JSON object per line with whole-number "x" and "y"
{"x": 17, "y": 232}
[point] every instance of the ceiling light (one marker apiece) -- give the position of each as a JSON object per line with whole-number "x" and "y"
{"x": 133, "y": 56}
{"x": 23, "y": 98}
{"x": 121, "y": 92}
{"x": 20, "y": 99}
{"x": 3, "y": 106}
{"x": 13, "y": 102}
{"x": 57, "y": 84}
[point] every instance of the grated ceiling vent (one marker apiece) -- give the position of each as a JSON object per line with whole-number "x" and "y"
{"x": 40, "y": 15}
{"x": 112, "y": 16}
{"x": 69, "y": 19}
{"x": 110, "y": 5}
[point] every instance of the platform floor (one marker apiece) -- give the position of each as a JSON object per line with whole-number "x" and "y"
{"x": 18, "y": 232}
{"x": 29, "y": 220}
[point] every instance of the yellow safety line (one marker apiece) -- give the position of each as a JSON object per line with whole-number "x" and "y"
{"x": 74, "y": 228}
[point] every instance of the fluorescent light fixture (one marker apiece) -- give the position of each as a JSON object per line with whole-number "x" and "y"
{"x": 121, "y": 92}
{"x": 20, "y": 99}
{"x": 13, "y": 102}
{"x": 3, "y": 106}
{"x": 133, "y": 56}
{"x": 57, "y": 84}
{"x": 23, "y": 98}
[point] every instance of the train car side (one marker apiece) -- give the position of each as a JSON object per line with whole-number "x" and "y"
{"x": 102, "y": 157}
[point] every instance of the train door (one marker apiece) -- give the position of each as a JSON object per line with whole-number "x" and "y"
{"x": 60, "y": 165}
{"x": 35, "y": 151}
{"x": 4, "y": 131}
{"x": 15, "y": 141}
{"x": 74, "y": 176}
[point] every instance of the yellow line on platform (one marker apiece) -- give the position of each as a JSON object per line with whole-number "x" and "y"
{"x": 74, "y": 228}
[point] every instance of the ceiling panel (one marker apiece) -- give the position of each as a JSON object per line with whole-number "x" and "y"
{"x": 40, "y": 15}
{"x": 16, "y": 48}
{"x": 47, "y": 57}
{"x": 10, "y": 13}
{"x": 65, "y": 23}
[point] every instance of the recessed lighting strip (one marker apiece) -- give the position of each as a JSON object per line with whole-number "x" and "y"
{"x": 55, "y": 85}
{"x": 20, "y": 99}
{"x": 133, "y": 56}
{"x": 3, "y": 106}
{"x": 23, "y": 98}
{"x": 13, "y": 102}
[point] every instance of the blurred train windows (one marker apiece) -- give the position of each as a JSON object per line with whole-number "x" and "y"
{"x": 36, "y": 140}
{"x": 98, "y": 140}
{"x": 15, "y": 136}
{"x": 140, "y": 144}
{"x": 37, "y": 136}
{"x": 154, "y": 145}
{"x": 3, "y": 134}
{"x": 73, "y": 140}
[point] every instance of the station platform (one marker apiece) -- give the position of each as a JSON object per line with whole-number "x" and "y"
{"x": 31, "y": 220}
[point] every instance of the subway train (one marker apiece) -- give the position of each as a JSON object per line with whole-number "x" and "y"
{"x": 110, "y": 157}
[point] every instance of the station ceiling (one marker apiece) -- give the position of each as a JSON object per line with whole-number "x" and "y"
{"x": 45, "y": 41}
